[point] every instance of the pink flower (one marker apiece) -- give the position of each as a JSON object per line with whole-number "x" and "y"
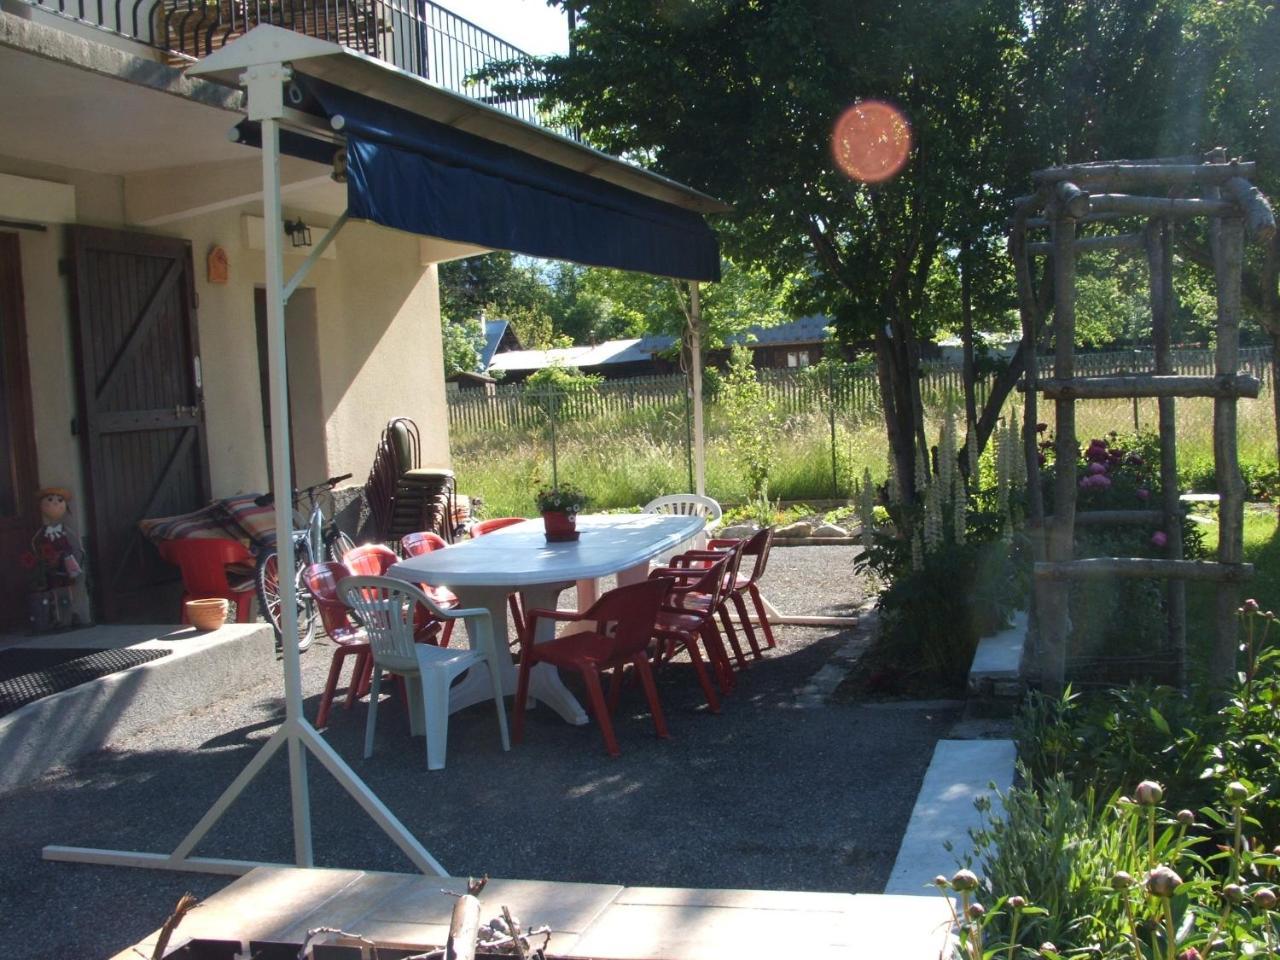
{"x": 1143, "y": 493}
{"x": 1159, "y": 538}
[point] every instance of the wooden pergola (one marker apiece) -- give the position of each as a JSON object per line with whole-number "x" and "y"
{"x": 1147, "y": 199}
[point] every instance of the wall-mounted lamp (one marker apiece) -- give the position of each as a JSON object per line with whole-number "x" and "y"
{"x": 299, "y": 233}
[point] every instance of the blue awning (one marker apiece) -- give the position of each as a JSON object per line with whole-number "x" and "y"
{"x": 415, "y": 174}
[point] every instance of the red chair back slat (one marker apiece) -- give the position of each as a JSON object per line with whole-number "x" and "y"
{"x": 416, "y": 544}
{"x": 625, "y": 615}
{"x": 488, "y": 526}
{"x": 322, "y": 580}
{"x": 370, "y": 560}
{"x": 758, "y": 546}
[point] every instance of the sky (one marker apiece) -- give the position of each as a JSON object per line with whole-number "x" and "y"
{"x": 528, "y": 24}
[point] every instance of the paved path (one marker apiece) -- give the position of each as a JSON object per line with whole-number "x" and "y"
{"x": 767, "y": 795}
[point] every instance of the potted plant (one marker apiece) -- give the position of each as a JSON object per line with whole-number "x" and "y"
{"x": 559, "y": 507}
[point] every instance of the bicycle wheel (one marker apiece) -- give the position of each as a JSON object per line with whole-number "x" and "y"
{"x": 268, "y": 584}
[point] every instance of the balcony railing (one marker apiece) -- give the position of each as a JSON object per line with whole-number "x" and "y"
{"x": 417, "y": 36}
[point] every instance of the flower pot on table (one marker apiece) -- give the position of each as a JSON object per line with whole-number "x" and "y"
{"x": 560, "y": 525}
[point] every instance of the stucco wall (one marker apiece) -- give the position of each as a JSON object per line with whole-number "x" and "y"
{"x": 375, "y": 324}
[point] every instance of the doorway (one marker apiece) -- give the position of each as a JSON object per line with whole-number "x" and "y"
{"x": 18, "y": 473}
{"x": 141, "y": 409}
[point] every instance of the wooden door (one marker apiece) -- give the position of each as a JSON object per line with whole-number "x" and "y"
{"x": 18, "y": 514}
{"x": 141, "y": 412}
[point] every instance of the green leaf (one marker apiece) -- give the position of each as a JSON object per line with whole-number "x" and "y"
{"x": 1158, "y": 719}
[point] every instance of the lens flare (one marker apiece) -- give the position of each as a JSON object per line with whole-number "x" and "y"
{"x": 871, "y": 141}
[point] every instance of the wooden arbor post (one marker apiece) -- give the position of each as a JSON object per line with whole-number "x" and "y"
{"x": 1086, "y": 194}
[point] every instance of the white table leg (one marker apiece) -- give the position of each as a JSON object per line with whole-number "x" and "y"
{"x": 544, "y": 682}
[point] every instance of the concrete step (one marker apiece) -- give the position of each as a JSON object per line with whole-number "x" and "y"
{"x": 201, "y": 668}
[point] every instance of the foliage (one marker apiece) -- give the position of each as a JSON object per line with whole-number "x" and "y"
{"x": 710, "y": 94}
{"x": 561, "y": 499}
{"x": 500, "y": 285}
{"x": 463, "y": 341}
{"x": 1185, "y": 741}
{"x": 553, "y": 388}
{"x": 753, "y": 421}
{"x": 1067, "y": 876}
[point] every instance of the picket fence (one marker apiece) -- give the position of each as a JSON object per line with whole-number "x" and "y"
{"x": 515, "y": 407}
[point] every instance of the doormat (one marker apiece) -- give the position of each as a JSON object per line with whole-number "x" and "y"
{"x": 27, "y": 675}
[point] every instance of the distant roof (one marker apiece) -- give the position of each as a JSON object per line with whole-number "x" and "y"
{"x": 805, "y": 330}
{"x": 638, "y": 350}
{"x": 493, "y": 332}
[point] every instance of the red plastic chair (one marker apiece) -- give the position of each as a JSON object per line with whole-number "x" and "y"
{"x": 373, "y": 560}
{"x": 757, "y": 546}
{"x": 204, "y": 563}
{"x": 489, "y": 526}
{"x": 624, "y": 620}
{"x": 348, "y": 638}
{"x": 734, "y": 550}
{"x": 415, "y": 545}
{"x": 481, "y": 527}
{"x": 689, "y": 614}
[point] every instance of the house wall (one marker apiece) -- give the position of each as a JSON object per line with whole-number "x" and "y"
{"x": 371, "y": 347}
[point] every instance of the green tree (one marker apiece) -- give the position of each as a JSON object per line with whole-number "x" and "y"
{"x": 463, "y": 341}
{"x": 499, "y": 285}
{"x": 739, "y": 99}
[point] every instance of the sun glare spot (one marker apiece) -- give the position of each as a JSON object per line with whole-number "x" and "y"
{"x": 871, "y": 141}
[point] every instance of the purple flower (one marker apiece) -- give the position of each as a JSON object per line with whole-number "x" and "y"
{"x": 1041, "y": 427}
{"x": 1096, "y": 481}
{"x": 1143, "y": 493}
{"x": 1095, "y": 468}
{"x": 1159, "y": 538}
{"x": 1134, "y": 460}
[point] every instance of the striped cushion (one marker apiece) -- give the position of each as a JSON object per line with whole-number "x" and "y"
{"x": 256, "y": 523}
{"x": 207, "y": 522}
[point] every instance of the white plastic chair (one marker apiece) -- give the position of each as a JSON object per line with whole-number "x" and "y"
{"x": 689, "y": 505}
{"x": 386, "y": 608}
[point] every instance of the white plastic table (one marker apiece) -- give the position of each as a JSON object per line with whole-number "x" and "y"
{"x": 518, "y": 559}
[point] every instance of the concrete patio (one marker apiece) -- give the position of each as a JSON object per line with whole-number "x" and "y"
{"x": 780, "y": 792}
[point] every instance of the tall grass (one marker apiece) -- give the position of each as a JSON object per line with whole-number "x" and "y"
{"x": 625, "y": 460}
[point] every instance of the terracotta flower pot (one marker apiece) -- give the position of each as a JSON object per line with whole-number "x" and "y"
{"x": 207, "y": 614}
{"x": 560, "y": 525}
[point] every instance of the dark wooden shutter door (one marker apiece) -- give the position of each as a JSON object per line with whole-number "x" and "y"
{"x": 18, "y": 514}
{"x": 141, "y": 409}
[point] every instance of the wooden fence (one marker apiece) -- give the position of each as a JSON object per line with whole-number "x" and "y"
{"x": 515, "y": 407}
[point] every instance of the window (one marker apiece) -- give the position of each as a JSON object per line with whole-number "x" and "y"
{"x": 797, "y": 358}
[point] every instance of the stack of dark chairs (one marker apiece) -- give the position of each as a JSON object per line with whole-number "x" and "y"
{"x": 403, "y": 497}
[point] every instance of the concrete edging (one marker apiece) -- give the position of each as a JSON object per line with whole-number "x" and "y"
{"x": 201, "y": 668}
{"x": 961, "y": 771}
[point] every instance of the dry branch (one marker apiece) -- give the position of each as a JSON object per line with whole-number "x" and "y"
{"x": 1181, "y": 208}
{"x": 463, "y": 928}
{"x": 1259, "y": 219}
{"x": 1126, "y": 175}
{"x": 1147, "y": 385}
{"x": 1069, "y": 201}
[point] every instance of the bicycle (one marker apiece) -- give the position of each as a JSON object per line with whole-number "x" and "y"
{"x": 319, "y": 538}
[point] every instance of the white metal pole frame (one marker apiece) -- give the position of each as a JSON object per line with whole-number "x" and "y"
{"x": 695, "y": 372}
{"x": 265, "y": 88}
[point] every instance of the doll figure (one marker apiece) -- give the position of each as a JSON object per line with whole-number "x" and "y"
{"x": 55, "y": 543}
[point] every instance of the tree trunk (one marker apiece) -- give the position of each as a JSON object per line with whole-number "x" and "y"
{"x": 966, "y": 337}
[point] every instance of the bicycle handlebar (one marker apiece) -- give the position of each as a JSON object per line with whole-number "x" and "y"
{"x": 268, "y": 498}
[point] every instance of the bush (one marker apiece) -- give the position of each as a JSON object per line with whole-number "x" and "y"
{"x": 1067, "y": 876}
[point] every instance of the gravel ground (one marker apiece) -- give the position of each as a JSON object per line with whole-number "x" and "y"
{"x": 766, "y": 795}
